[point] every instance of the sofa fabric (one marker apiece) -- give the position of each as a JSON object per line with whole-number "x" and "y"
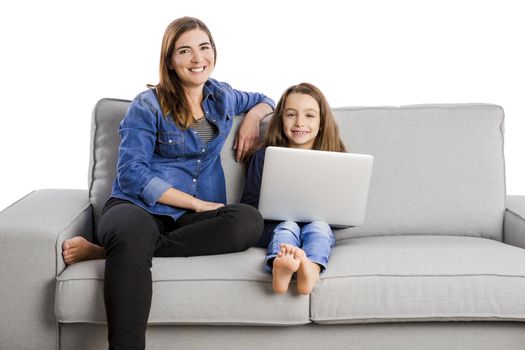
{"x": 514, "y": 224}
{"x": 438, "y": 169}
{"x": 421, "y": 278}
{"x": 228, "y": 289}
{"x": 376, "y": 336}
{"x": 31, "y": 234}
{"x": 103, "y": 154}
{"x": 373, "y": 279}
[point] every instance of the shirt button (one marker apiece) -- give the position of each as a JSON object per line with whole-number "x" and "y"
{"x": 170, "y": 141}
{"x": 198, "y": 160}
{"x": 194, "y": 180}
{"x": 203, "y": 150}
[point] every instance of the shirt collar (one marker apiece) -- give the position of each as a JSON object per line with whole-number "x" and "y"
{"x": 208, "y": 91}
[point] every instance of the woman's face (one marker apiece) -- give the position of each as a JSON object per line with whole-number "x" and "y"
{"x": 301, "y": 120}
{"x": 193, "y": 59}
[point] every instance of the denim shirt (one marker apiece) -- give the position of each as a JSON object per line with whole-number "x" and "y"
{"x": 155, "y": 154}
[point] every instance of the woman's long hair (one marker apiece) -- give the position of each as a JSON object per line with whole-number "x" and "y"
{"x": 170, "y": 91}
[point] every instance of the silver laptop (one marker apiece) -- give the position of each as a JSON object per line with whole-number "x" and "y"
{"x": 306, "y": 185}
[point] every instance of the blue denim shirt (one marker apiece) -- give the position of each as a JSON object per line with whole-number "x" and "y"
{"x": 155, "y": 154}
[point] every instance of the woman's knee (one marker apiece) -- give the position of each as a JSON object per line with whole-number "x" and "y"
{"x": 246, "y": 225}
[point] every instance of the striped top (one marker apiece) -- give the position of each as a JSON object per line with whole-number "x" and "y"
{"x": 205, "y": 129}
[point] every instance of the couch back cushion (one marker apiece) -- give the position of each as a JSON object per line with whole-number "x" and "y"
{"x": 439, "y": 169}
{"x": 103, "y": 154}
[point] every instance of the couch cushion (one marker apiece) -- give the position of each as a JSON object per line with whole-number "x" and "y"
{"x": 421, "y": 278}
{"x": 105, "y": 141}
{"x": 219, "y": 289}
{"x": 439, "y": 169}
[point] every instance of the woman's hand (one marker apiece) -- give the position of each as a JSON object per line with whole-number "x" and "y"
{"x": 247, "y": 136}
{"x": 201, "y": 205}
{"x": 180, "y": 199}
{"x": 248, "y": 132}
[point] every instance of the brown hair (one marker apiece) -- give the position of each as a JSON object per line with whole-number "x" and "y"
{"x": 170, "y": 92}
{"x": 327, "y": 139}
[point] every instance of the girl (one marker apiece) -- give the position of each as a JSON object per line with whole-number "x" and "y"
{"x": 302, "y": 119}
{"x": 169, "y": 195}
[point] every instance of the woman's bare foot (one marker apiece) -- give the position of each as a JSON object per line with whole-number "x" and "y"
{"x": 307, "y": 276}
{"x": 78, "y": 249}
{"x": 285, "y": 264}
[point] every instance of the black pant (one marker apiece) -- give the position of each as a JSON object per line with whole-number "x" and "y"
{"x": 132, "y": 236}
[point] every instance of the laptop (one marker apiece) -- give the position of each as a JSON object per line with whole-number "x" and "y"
{"x": 307, "y": 185}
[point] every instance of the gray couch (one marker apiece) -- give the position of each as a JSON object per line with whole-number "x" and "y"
{"x": 439, "y": 264}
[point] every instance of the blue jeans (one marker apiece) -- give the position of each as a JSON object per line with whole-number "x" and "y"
{"x": 315, "y": 238}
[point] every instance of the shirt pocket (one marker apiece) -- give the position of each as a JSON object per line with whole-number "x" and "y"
{"x": 170, "y": 144}
{"x": 226, "y": 124}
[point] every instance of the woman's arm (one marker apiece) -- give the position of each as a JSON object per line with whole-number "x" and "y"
{"x": 256, "y": 106}
{"x": 138, "y": 136}
{"x": 248, "y": 133}
{"x": 176, "y": 198}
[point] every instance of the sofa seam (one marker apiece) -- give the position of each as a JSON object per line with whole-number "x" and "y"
{"x": 192, "y": 323}
{"x": 406, "y": 318}
{"x": 502, "y": 134}
{"x": 59, "y": 235}
{"x": 513, "y": 212}
{"x": 422, "y": 106}
{"x": 428, "y": 276}
{"x": 171, "y": 280}
{"x": 322, "y": 278}
{"x": 16, "y": 202}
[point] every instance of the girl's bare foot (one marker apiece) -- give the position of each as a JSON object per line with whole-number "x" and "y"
{"x": 307, "y": 276}
{"x": 285, "y": 265}
{"x": 78, "y": 249}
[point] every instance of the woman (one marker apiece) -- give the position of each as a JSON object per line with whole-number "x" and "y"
{"x": 169, "y": 195}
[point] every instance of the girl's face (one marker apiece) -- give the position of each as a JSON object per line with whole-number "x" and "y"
{"x": 301, "y": 120}
{"x": 193, "y": 59}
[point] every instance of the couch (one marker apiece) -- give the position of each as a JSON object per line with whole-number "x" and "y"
{"x": 439, "y": 263}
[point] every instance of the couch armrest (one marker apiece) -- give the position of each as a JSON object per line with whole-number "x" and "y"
{"x": 514, "y": 222}
{"x": 31, "y": 234}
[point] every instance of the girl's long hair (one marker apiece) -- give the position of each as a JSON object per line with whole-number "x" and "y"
{"x": 170, "y": 91}
{"x": 327, "y": 139}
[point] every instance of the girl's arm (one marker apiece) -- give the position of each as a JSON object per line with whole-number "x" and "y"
{"x": 252, "y": 185}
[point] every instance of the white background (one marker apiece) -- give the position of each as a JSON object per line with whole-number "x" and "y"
{"x": 58, "y": 58}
